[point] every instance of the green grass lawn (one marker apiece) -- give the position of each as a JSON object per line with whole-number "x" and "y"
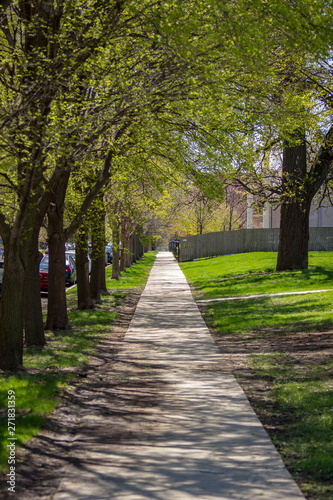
{"x": 312, "y": 312}
{"x": 135, "y": 276}
{"x": 301, "y": 387}
{"x": 303, "y": 393}
{"x": 49, "y": 370}
{"x": 254, "y": 273}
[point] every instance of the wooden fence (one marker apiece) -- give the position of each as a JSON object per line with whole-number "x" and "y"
{"x": 246, "y": 240}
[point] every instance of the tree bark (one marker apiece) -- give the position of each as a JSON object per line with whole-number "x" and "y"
{"x": 11, "y": 333}
{"x": 34, "y": 328}
{"x": 137, "y": 247}
{"x": 124, "y": 243}
{"x": 128, "y": 255}
{"x": 295, "y": 209}
{"x": 57, "y": 317}
{"x": 17, "y": 240}
{"x": 84, "y": 299}
{"x": 294, "y": 236}
{"x": 97, "y": 279}
{"x": 123, "y": 249}
{"x": 141, "y": 249}
{"x": 115, "y": 251}
{"x": 134, "y": 248}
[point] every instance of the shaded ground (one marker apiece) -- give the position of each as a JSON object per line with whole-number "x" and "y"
{"x": 126, "y": 395}
{"x": 99, "y": 391}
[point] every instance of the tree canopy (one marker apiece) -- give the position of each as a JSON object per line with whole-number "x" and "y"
{"x": 94, "y": 90}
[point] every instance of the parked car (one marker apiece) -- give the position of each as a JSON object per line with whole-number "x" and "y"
{"x": 108, "y": 251}
{"x": 44, "y": 271}
{"x": 71, "y": 253}
{"x": 70, "y": 268}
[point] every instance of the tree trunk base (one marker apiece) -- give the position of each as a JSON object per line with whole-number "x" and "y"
{"x": 59, "y": 326}
{"x": 294, "y": 237}
{"x": 87, "y": 304}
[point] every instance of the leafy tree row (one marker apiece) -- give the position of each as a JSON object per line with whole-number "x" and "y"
{"x": 96, "y": 91}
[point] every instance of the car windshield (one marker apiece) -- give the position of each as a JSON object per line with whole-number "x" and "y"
{"x": 44, "y": 264}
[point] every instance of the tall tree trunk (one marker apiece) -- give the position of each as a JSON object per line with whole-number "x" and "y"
{"x": 12, "y": 303}
{"x": 129, "y": 254}
{"x": 34, "y": 331}
{"x": 34, "y": 328}
{"x": 124, "y": 244}
{"x": 141, "y": 249}
{"x": 57, "y": 317}
{"x": 122, "y": 263}
{"x": 295, "y": 209}
{"x": 17, "y": 240}
{"x": 230, "y": 218}
{"x": 97, "y": 279}
{"x": 84, "y": 299}
{"x": 294, "y": 236}
{"x": 134, "y": 248}
{"x": 137, "y": 247}
{"x": 115, "y": 251}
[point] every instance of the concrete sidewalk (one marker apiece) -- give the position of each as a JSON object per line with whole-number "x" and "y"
{"x": 209, "y": 444}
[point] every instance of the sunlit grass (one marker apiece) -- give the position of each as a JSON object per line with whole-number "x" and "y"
{"x": 304, "y": 392}
{"x": 133, "y": 277}
{"x": 35, "y": 397}
{"x": 254, "y": 273}
{"x": 286, "y": 314}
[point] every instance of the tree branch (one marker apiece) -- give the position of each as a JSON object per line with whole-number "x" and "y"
{"x": 91, "y": 196}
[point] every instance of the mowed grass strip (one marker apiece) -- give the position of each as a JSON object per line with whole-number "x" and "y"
{"x": 303, "y": 393}
{"x": 283, "y": 315}
{"x": 254, "y": 273}
{"x": 301, "y": 384}
{"x": 135, "y": 276}
{"x": 49, "y": 370}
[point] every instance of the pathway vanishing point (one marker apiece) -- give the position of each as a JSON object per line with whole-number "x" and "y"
{"x": 203, "y": 440}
